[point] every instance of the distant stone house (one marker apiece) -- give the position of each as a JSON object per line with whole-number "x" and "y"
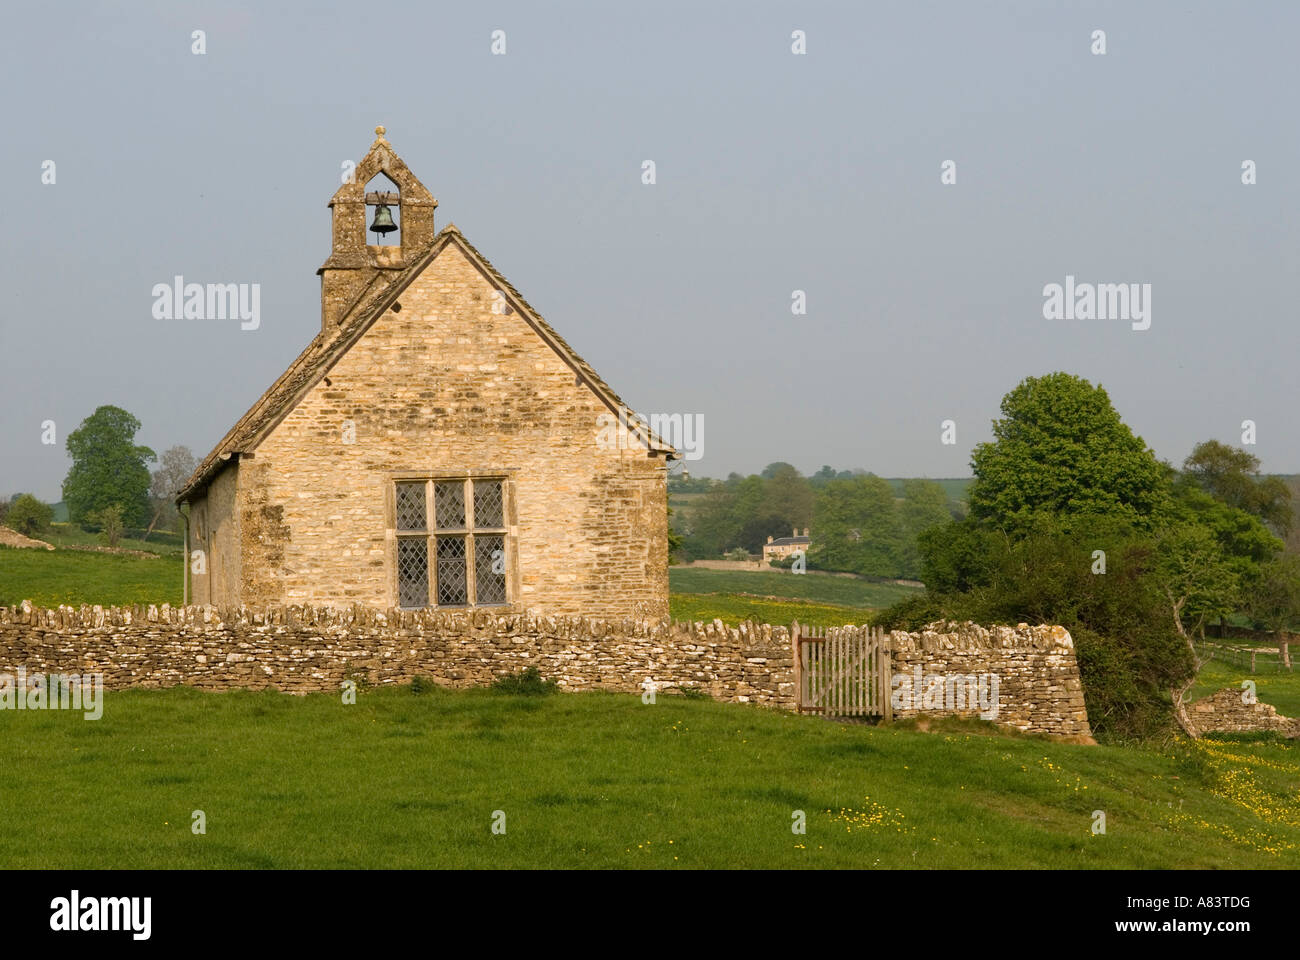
{"x": 437, "y": 444}
{"x": 781, "y": 547}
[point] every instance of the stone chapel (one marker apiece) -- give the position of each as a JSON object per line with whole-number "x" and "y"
{"x": 436, "y": 444}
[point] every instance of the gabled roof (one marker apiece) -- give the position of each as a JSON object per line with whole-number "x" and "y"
{"x": 324, "y": 351}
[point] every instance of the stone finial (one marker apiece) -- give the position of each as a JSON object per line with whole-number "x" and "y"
{"x": 380, "y": 130}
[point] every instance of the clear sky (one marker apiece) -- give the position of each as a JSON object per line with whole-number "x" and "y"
{"x": 775, "y": 172}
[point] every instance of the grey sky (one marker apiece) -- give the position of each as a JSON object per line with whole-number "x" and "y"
{"x": 775, "y": 172}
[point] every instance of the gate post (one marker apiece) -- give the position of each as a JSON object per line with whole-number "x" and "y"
{"x": 886, "y": 661}
{"x": 798, "y": 666}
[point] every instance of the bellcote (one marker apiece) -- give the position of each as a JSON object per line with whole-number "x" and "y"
{"x": 353, "y": 263}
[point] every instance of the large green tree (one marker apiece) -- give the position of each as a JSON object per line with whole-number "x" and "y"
{"x": 108, "y": 468}
{"x": 1060, "y": 448}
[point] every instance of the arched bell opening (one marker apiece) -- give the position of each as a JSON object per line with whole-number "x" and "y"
{"x": 383, "y": 211}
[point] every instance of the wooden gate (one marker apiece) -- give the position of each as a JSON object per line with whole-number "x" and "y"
{"x": 846, "y": 674}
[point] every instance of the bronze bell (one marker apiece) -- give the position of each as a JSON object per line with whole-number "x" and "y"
{"x": 383, "y": 220}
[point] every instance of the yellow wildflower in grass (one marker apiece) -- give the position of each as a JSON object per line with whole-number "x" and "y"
{"x": 1076, "y": 785}
{"x": 1233, "y": 778}
{"x": 1238, "y": 784}
{"x": 872, "y": 817}
{"x": 1257, "y": 839}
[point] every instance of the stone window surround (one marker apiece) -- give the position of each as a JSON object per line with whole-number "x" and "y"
{"x": 509, "y": 532}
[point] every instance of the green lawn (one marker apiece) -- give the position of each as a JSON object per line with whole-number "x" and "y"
{"x": 603, "y": 780}
{"x": 51, "y": 577}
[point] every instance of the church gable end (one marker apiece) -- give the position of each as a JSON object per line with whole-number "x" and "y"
{"x": 438, "y": 443}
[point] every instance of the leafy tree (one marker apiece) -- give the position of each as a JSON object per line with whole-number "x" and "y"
{"x": 826, "y": 474}
{"x": 749, "y": 517}
{"x": 175, "y": 467}
{"x": 1243, "y": 540}
{"x": 957, "y": 557}
{"x": 925, "y": 505}
{"x": 109, "y": 521}
{"x": 674, "y": 539}
{"x": 1275, "y": 601}
{"x": 108, "y": 467}
{"x": 858, "y": 527}
{"x": 1199, "y": 584}
{"x": 1232, "y": 476}
{"x": 713, "y": 526}
{"x": 29, "y": 516}
{"x": 744, "y": 511}
{"x": 1060, "y": 448}
{"x": 787, "y": 502}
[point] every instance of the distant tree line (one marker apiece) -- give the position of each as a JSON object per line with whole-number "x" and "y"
{"x": 858, "y": 522}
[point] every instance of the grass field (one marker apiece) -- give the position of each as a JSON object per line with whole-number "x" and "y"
{"x": 733, "y": 609}
{"x": 1281, "y": 689}
{"x": 603, "y": 780}
{"x": 776, "y": 596}
{"x": 70, "y": 534}
{"x": 814, "y": 587}
{"x": 51, "y": 577}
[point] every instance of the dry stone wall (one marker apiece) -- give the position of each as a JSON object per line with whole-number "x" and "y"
{"x": 305, "y": 650}
{"x": 1038, "y": 686}
{"x": 1226, "y": 712}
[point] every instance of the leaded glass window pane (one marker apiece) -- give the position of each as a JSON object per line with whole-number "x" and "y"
{"x": 410, "y": 506}
{"x": 488, "y": 510}
{"x": 413, "y": 572}
{"x": 490, "y": 566}
{"x": 449, "y": 505}
{"x": 452, "y": 588}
